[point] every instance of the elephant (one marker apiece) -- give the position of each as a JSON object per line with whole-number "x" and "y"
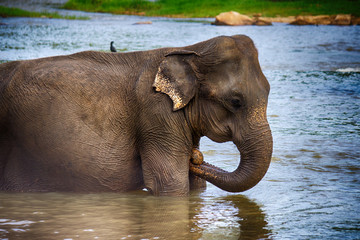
{"x": 118, "y": 122}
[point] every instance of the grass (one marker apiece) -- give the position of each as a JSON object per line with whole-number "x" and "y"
{"x": 211, "y": 8}
{"x": 16, "y": 12}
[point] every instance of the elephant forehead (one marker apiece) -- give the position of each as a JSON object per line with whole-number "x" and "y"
{"x": 234, "y": 48}
{"x": 227, "y": 77}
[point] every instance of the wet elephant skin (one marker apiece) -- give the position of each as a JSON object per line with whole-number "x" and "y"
{"x": 96, "y": 122}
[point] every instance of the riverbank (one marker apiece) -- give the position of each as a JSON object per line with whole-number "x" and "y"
{"x": 301, "y": 12}
{"x": 211, "y": 8}
{"x": 17, "y": 12}
{"x": 235, "y": 19}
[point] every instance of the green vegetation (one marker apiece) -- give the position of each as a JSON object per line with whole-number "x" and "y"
{"x": 210, "y": 8}
{"x": 16, "y": 12}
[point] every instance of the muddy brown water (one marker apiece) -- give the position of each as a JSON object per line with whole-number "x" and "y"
{"x": 312, "y": 188}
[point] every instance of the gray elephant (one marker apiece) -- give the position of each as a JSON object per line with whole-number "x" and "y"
{"x": 96, "y": 121}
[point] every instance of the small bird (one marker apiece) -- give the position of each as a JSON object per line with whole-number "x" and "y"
{"x": 112, "y": 48}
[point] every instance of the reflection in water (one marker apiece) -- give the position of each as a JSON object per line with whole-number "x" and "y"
{"x": 253, "y": 224}
{"x": 231, "y": 217}
{"x": 116, "y": 216}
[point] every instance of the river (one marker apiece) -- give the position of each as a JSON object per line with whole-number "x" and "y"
{"x": 312, "y": 188}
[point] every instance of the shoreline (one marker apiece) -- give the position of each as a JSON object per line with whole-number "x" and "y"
{"x": 53, "y": 11}
{"x": 334, "y": 19}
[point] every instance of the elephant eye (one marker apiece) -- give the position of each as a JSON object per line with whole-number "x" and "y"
{"x": 236, "y": 103}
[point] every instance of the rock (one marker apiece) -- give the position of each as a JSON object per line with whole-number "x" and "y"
{"x": 320, "y": 19}
{"x": 232, "y": 18}
{"x": 279, "y": 19}
{"x": 139, "y": 23}
{"x": 299, "y": 20}
{"x": 355, "y": 20}
{"x": 342, "y": 19}
{"x": 262, "y": 22}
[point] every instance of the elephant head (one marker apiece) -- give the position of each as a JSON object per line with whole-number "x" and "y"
{"x": 220, "y": 87}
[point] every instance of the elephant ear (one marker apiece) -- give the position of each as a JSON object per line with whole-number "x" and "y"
{"x": 176, "y": 78}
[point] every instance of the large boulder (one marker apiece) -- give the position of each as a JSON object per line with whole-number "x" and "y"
{"x": 232, "y": 18}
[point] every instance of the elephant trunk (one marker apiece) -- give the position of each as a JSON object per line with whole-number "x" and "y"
{"x": 255, "y": 155}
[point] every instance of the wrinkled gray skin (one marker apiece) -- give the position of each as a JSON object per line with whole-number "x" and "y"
{"x": 96, "y": 121}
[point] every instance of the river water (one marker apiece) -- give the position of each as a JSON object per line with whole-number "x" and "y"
{"x": 312, "y": 188}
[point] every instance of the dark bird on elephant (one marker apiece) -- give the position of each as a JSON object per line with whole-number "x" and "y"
{"x": 112, "y": 48}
